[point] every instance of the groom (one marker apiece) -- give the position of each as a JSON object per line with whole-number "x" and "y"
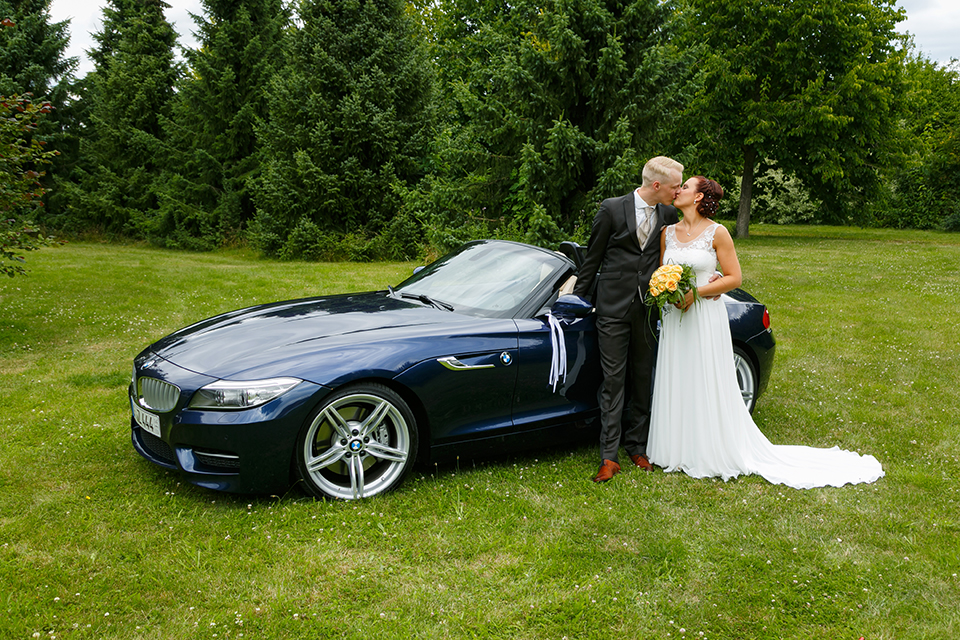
{"x": 625, "y": 248}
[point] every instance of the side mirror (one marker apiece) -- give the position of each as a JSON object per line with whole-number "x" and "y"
{"x": 571, "y": 305}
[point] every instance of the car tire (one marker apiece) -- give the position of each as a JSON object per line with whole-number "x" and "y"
{"x": 747, "y": 378}
{"x": 360, "y": 443}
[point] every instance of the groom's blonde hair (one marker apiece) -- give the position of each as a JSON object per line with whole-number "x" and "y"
{"x": 659, "y": 169}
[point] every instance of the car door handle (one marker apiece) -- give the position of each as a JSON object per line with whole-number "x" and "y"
{"x": 452, "y": 363}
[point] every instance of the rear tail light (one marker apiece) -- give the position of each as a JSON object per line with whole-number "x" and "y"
{"x": 766, "y": 318}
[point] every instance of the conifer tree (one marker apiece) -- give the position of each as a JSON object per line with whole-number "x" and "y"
{"x": 212, "y": 144}
{"x": 32, "y": 53}
{"x": 550, "y": 107}
{"x": 33, "y": 64}
{"x": 128, "y": 95}
{"x": 350, "y": 114}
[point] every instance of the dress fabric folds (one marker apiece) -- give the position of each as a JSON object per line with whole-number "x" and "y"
{"x": 699, "y": 423}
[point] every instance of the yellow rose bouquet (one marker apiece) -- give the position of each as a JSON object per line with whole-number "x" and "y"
{"x": 669, "y": 284}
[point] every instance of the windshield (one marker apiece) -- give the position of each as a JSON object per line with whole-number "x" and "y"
{"x": 486, "y": 278}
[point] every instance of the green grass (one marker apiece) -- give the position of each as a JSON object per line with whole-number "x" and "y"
{"x": 97, "y": 543}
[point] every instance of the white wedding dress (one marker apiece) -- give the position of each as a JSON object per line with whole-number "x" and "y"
{"x": 699, "y": 424}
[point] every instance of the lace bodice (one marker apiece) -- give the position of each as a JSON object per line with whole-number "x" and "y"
{"x": 698, "y": 253}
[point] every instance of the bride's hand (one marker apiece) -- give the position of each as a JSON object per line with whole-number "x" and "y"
{"x": 687, "y": 301}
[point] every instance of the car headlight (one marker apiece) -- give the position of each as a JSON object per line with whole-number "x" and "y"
{"x": 226, "y": 394}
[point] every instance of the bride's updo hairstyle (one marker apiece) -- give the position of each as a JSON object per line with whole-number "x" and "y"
{"x": 712, "y": 192}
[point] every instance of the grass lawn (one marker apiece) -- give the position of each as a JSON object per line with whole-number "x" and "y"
{"x": 97, "y": 543}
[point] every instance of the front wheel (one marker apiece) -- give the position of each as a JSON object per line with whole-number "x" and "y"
{"x": 362, "y": 442}
{"x": 746, "y": 377}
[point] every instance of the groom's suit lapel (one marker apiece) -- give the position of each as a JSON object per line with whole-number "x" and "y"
{"x": 630, "y": 216}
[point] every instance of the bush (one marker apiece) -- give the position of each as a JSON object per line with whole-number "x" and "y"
{"x": 781, "y": 198}
{"x": 952, "y": 221}
{"x": 400, "y": 240}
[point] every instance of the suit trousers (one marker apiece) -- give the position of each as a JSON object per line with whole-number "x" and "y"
{"x": 626, "y": 355}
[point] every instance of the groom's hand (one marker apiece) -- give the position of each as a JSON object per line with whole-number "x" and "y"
{"x": 714, "y": 278}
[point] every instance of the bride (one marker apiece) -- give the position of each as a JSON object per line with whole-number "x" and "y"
{"x": 699, "y": 424}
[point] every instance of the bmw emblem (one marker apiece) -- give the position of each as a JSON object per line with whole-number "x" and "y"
{"x": 506, "y": 358}
{"x": 356, "y": 446}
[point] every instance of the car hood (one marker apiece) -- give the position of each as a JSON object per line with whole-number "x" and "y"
{"x": 285, "y": 336}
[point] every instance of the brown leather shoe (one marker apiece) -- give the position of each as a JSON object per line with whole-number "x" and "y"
{"x": 608, "y": 469}
{"x": 641, "y": 461}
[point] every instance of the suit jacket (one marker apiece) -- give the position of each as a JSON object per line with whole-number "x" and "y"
{"x": 614, "y": 250}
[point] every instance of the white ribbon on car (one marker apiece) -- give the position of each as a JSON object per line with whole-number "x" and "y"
{"x": 558, "y": 357}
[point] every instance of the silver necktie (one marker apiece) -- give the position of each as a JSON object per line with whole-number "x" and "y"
{"x": 643, "y": 229}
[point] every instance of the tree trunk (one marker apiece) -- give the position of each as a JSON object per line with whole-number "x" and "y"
{"x": 746, "y": 192}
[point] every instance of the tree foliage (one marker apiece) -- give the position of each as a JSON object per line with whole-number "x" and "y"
{"x": 351, "y": 113}
{"x": 925, "y": 194}
{"x": 213, "y": 151}
{"x": 355, "y": 129}
{"x": 128, "y": 95}
{"x": 551, "y": 106}
{"x": 32, "y": 52}
{"x": 22, "y": 156}
{"x": 33, "y": 61}
{"x": 811, "y": 85}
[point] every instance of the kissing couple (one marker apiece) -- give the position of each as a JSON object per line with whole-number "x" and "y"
{"x": 694, "y": 420}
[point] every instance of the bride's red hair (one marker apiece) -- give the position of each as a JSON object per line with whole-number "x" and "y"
{"x": 712, "y": 192}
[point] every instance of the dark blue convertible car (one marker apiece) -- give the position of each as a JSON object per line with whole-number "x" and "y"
{"x": 345, "y": 393}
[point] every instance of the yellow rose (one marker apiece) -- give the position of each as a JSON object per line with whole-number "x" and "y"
{"x": 672, "y": 285}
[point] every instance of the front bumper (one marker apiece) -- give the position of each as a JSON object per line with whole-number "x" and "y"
{"x": 241, "y": 451}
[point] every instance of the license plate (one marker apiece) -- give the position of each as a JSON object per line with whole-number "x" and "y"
{"x": 147, "y": 421}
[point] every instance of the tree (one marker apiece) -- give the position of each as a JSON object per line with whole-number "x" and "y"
{"x": 33, "y": 61}
{"x": 351, "y": 113}
{"x": 22, "y": 155}
{"x": 32, "y": 51}
{"x": 212, "y": 143}
{"x": 811, "y": 85}
{"x": 550, "y": 107}
{"x": 128, "y": 95}
{"x": 925, "y": 186}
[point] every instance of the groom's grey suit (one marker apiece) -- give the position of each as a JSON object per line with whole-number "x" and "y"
{"x": 625, "y": 326}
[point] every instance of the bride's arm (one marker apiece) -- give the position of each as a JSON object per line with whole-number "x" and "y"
{"x": 729, "y": 264}
{"x": 663, "y": 243}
